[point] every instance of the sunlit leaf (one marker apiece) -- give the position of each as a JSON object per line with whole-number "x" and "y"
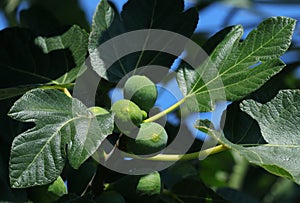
{"x": 279, "y": 124}
{"x": 237, "y": 68}
{"x": 60, "y": 121}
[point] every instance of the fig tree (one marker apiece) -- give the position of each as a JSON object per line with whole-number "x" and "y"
{"x": 150, "y": 138}
{"x": 141, "y": 90}
{"x": 127, "y": 115}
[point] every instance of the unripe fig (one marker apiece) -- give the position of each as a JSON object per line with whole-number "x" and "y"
{"x": 145, "y": 115}
{"x": 141, "y": 90}
{"x": 144, "y": 189}
{"x": 127, "y": 115}
{"x": 150, "y": 138}
{"x": 96, "y": 110}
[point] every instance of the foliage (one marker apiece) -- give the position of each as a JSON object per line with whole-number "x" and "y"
{"x": 51, "y": 141}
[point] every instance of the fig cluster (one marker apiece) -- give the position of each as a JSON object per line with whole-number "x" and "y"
{"x": 140, "y": 95}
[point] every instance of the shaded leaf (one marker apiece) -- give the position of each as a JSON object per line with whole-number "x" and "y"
{"x": 7, "y": 93}
{"x": 48, "y": 193}
{"x": 235, "y": 196}
{"x": 11, "y": 92}
{"x": 240, "y": 68}
{"x": 28, "y": 62}
{"x": 72, "y": 198}
{"x": 23, "y": 62}
{"x": 66, "y": 12}
{"x": 240, "y": 128}
{"x": 110, "y": 197}
{"x": 192, "y": 190}
{"x": 59, "y": 120}
{"x": 177, "y": 173}
{"x": 41, "y": 21}
{"x": 216, "y": 173}
{"x": 66, "y": 41}
{"x": 136, "y": 15}
{"x": 86, "y": 172}
{"x": 279, "y": 124}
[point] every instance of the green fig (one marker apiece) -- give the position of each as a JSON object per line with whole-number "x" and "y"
{"x": 141, "y": 90}
{"x": 151, "y": 138}
{"x": 146, "y": 188}
{"x": 145, "y": 115}
{"x": 96, "y": 110}
{"x": 127, "y": 115}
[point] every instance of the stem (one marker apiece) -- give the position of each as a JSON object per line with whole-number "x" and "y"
{"x": 166, "y": 111}
{"x": 182, "y": 157}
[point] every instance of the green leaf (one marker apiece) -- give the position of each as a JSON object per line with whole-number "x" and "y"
{"x": 241, "y": 67}
{"x": 72, "y": 198}
{"x": 48, "y": 193}
{"x": 278, "y": 119}
{"x": 239, "y": 127}
{"x": 103, "y": 18}
{"x": 235, "y": 196}
{"x": 58, "y": 187}
{"x": 11, "y": 92}
{"x": 8, "y": 194}
{"x": 177, "y": 173}
{"x": 66, "y": 41}
{"x": 28, "y": 61}
{"x": 59, "y": 120}
{"x": 86, "y": 172}
{"x": 279, "y": 123}
{"x": 136, "y": 15}
{"x": 23, "y": 62}
{"x": 66, "y": 12}
{"x": 193, "y": 190}
{"x": 215, "y": 173}
{"x": 7, "y": 93}
{"x": 110, "y": 197}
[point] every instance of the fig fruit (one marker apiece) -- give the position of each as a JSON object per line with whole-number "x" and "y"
{"x": 150, "y": 138}
{"x": 127, "y": 115}
{"x": 145, "y": 115}
{"x": 141, "y": 90}
{"x": 96, "y": 110}
{"x": 138, "y": 188}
